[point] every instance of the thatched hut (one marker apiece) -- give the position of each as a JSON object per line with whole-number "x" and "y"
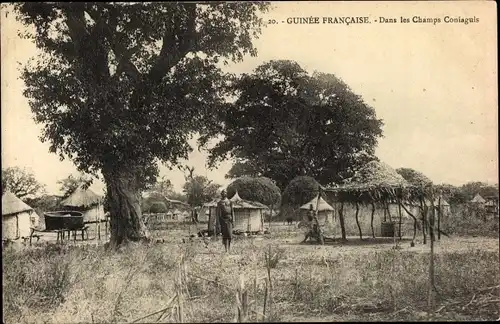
{"x": 478, "y": 199}
{"x": 248, "y": 215}
{"x": 17, "y": 217}
{"x": 325, "y": 211}
{"x": 87, "y": 202}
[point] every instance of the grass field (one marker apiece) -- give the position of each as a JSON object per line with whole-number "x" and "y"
{"x": 359, "y": 280}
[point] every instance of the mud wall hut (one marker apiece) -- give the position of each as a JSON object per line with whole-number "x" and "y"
{"x": 17, "y": 217}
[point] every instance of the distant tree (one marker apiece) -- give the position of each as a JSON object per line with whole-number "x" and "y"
{"x": 414, "y": 177}
{"x": 200, "y": 190}
{"x": 158, "y": 207}
{"x": 178, "y": 196}
{"x": 299, "y": 192}
{"x": 240, "y": 169}
{"x": 71, "y": 183}
{"x": 109, "y": 78}
{"x": 260, "y": 189}
{"x": 45, "y": 203}
{"x": 21, "y": 182}
{"x": 452, "y": 194}
{"x": 163, "y": 186}
{"x": 286, "y": 123}
{"x": 469, "y": 190}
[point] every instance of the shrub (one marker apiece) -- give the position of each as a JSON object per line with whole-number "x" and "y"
{"x": 299, "y": 191}
{"x": 260, "y": 189}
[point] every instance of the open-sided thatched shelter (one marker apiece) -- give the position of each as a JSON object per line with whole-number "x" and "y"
{"x": 377, "y": 184}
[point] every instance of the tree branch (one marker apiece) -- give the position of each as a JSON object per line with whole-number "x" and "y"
{"x": 177, "y": 42}
{"x": 122, "y": 54}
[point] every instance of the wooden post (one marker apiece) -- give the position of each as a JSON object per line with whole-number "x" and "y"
{"x": 371, "y": 221}
{"x": 241, "y": 301}
{"x": 400, "y": 219}
{"x": 423, "y": 212}
{"x": 341, "y": 218}
{"x": 431, "y": 259}
{"x": 357, "y": 221}
{"x": 439, "y": 218}
{"x": 414, "y": 223}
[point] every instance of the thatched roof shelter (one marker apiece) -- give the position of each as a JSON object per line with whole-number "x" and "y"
{"x": 82, "y": 198}
{"x": 322, "y": 205}
{"x": 478, "y": 199}
{"x": 377, "y": 182}
{"x": 12, "y": 205}
{"x": 239, "y": 203}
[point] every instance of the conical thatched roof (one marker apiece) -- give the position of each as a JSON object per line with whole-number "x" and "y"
{"x": 478, "y": 199}
{"x": 81, "y": 198}
{"x": 376, "y": 174}
{"x": 12, "y": 205}
{"x": 239, "y": 203}
{"x": 322, "y": 206}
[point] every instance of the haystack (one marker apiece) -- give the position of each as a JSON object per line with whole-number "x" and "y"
{"x": 17, "y": 217}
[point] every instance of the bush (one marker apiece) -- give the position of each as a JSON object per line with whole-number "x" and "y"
{"x": 260, "y": 189}
{"x": 299, "y": 192}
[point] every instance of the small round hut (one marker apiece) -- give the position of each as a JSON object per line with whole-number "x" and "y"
{"x": 87, "y": 202}
{"x": 325, "y": 210}
{"x": 248, "y": 215}
{"x": 17, "y": 217}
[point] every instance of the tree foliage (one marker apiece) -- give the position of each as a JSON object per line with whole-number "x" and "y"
{"x": 260, "y": 189}
{"x": 69, "y": 184}
{"x": 200, "y": 190}
{"x": 163, "y": 186}
{"x": 286, "y": 122}
{"x": 414, "y": 177}
{"x": 299, "y": 191}
{"x": 21, "y": 182}
{"x": 112, "y": 76}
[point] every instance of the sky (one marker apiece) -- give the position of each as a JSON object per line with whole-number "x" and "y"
{"x": 434, "y": 86}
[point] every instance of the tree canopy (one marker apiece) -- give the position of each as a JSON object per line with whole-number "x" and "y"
{"x": 200, "y": 190}
{"x": 286, "y": 122}
{"x": 260, "y": 189}
{"x": 69, "y": 184}
{"x": 21, "y": 182}
{"x": 119, "y": 87}
{"x": 414, "y": 177}
{"x": 299, "y": 191}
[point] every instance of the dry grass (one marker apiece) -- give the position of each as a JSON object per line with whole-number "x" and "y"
{"x": 85, "y": 284}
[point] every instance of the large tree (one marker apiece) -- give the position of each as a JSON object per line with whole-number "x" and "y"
{"x": 21, "y": 182}
{"x": 119, "y": 87}
{"x": 286, "y": 122}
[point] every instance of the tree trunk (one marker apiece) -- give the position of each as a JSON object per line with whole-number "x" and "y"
{"x": 125, "y": 209}
{"x": 342, "y": 224}
{"x": 357, "y": 221}
{"x": 371, "y": 221}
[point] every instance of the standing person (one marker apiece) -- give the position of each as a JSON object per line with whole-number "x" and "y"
{"x": 225, "y": 215}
